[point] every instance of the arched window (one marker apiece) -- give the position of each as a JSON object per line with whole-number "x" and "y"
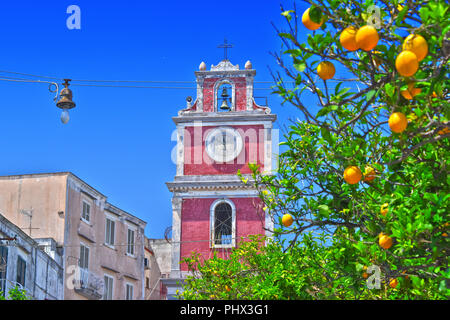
{"x": 223, "y": 224}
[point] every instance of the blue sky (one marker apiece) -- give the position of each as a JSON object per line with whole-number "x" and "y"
{"x": 118, "y": 140}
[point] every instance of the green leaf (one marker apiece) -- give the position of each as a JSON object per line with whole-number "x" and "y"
{"x": 323, "y": 111}
{"x": 424, "y": 13}
{"x": 324, "y": 210}
{"x": 326, "y": 135}
{"x": 370, "y": 95}
{"x": 300, "y": 67}
{"x": 401, "y": 15}
{"x": 390, "y": 90}
{"x": 315, "y": 14}
{"x": 287, "y": 36}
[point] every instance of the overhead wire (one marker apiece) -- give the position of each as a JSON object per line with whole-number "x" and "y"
{"x": 73, "y": 81}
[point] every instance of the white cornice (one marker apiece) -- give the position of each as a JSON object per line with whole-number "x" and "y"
{"x": 222, "y": 117}
{"x": 208, "y": 186}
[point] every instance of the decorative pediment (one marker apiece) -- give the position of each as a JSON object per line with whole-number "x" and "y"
{"x": 225, "y": 65}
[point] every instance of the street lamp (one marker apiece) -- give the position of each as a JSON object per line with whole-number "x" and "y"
{"x": 65, "y": 101}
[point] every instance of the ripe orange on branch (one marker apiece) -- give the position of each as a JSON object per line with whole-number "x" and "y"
{"x": 407, "y": 63}
{"x": 385, "y": 241}
{"x": 326, "y": 70}
{"x": 352, "y": 175}
{"x": 308, "y": 23}
{"x": 397, "y": 122}
{"x": 369, "y": 174}
{"x": 416, "y": 44}
{"x": 367, "y": 38}
{"x": 393, "y": 283}
{"x": 384, "y": 209}
{"x": 287, "y": 220}
{"x": 348, "y": 38}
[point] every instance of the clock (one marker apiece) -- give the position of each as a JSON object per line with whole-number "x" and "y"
{"x": 223, "y": 144}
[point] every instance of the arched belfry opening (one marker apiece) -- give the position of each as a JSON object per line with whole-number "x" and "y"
{"x": 224, "y": 96}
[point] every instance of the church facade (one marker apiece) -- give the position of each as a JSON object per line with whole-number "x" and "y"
{"x": 218, "y": 134}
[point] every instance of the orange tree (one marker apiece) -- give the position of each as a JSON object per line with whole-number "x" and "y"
{"x": 364, "y": 173}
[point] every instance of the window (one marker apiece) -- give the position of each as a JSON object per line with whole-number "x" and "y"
{"x": 109, "y": 238}
{"x": 84, "y": 257}
{"x": 222, "y": 224}
{"x": 130, "y": 242}
{"x": 21, "y": 271}
{"x": 86, "y": 213}
{"x": 108, "y": 293}
{"x": 147, "y": 282}
{"x": 3, "y": 268}
{"x": 129, "y": 293}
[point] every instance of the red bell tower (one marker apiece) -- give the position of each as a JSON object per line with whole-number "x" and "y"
{"x": 219, "y": 133}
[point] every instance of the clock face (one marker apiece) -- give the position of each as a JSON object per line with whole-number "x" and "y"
{"x": 223, "y": 144}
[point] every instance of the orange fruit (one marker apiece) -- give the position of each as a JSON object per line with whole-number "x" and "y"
{"x": 407, "y": 63}
{"x": 415, "y": 91}
{"x": 365, "y": 275}
{"x": 369, "y": 174}
{"x": 287, "y": 220}
{"x": 411, "y": 92}
{"x": 227, "y": 288}
{"x": 384, "y": 209}
{"x": 385, "y": 241}
{"x": 443, "y": 131}
{"x": 393, "y": 283}
{"x": 444, "y": 234}
{"x": 352, "y": 175}
{"x": 308, "y": 23}
{"x": 397, "y": 122}
{"x": 348, "y": 38}
{"x": 417, "y": 44}
{"x": 326, "y": 70}
{"x": 367, "y": 38}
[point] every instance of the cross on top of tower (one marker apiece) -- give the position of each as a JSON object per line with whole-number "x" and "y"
{"x": 225, "y": 46}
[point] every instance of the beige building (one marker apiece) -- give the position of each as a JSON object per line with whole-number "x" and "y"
{"x": 103, "y": 246}
{"x": 153, "y": 287}
{"x": 160, "y": 259}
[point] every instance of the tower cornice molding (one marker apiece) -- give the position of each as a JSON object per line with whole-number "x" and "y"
{"x": 209, "y": 182}
{"x": 254, "y": 115}
{"x": 211, "y": 186}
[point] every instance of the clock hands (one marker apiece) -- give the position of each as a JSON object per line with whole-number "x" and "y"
{"x": 224, "y": 142}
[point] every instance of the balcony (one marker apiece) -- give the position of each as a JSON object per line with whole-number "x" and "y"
{"x": 88, "y": 284}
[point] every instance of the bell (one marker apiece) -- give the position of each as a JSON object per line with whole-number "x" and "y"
{"x": 65, "y": 101}
{"x": 225, "y": 97}
{"x": 224, "y": 93}
{"x": 224, "y": 105}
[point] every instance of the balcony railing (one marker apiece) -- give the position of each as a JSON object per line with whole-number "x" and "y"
{"x": 88, "y": 284}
